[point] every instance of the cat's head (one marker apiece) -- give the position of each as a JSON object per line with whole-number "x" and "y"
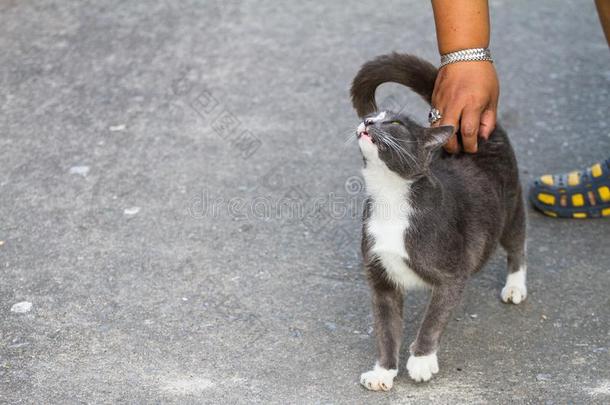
{"x": 396, "y": 141}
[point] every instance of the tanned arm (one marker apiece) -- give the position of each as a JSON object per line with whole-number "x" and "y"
{"x": 466, "y": 93}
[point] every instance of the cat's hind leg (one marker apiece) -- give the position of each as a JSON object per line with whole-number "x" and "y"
{"x": 513, "y": 241}
{"x": 387, "y": 313}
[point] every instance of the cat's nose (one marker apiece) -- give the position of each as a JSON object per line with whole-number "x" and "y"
{"x": 368, "y": 122}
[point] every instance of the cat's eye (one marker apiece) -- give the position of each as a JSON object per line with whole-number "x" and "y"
{"x": 395, "y": 122}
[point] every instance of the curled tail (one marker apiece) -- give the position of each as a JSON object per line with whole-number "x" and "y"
{"x": 408, "y": 70}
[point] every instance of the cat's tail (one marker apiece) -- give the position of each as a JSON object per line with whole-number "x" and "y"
{"x": 402, "y": 68}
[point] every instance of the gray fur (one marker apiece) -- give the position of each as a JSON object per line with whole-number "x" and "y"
{"x": 463, "y": 206}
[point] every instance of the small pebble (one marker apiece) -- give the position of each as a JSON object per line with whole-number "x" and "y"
{"x": 116, "y": 128}
{"x": 245, "y": 228}
{"x": 1, "y": 242}
{"x": 18, "y": 345}
{"x": 474, "y": 316}
{"x": 330, "y": 325}
{"x": 80, "y": 170}
{"x": 21, "y": 307}
{"x": 131, "y": 211}
{"x": 543, "y": 377}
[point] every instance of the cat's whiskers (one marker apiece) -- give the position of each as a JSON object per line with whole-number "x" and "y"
{"x": 351, "y": 137}
{"x": 400, "y": 149}
{"x": 392, "y": 144}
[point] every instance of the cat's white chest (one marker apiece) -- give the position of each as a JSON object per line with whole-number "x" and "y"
{"x": 388, "y": 223}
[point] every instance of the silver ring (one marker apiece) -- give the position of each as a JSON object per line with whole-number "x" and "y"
{"x": 434, "y": 115}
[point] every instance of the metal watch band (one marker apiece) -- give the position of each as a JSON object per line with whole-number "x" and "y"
{"x": 473, "y": 54}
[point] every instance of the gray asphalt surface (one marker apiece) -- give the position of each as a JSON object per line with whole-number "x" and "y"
{"x": 160, "y": 165}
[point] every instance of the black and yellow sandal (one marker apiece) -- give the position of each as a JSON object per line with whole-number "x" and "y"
{"x": 578, "y": 194}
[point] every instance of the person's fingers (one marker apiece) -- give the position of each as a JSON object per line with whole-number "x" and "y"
{"x": 488, "y": 123}
{"x": 452, "y": 145}
{"x": 450, "y": 117}
{"x": 469, "y": 128}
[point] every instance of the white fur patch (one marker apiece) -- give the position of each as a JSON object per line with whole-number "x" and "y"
{"x": 361, "y": 128}
{"x": 421, "y": 368}
{"x": 515, "y": 289}
{"x": 389, "y": 219}
{"x": 378, "y": 378}
{"x": 378, "y": 117}
{"x": 369, "y": 149}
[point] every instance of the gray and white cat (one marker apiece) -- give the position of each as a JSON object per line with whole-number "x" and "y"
{"x": 431, "y": 219}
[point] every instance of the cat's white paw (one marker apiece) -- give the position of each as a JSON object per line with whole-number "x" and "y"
{"x": 514, "y": 293}
{"x": 378, "y": 378}
{"x": 515, "y": 290}
{"x": 421, "y": 368}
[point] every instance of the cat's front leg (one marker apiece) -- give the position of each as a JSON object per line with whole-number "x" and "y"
{"x": 423, "y": 361}
{"x": 387, "y": 314}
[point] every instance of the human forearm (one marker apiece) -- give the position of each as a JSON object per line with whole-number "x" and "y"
{"x": 603, "y": 10}
{"x": 461, "y": 24}
{"x": 466, "y": 93}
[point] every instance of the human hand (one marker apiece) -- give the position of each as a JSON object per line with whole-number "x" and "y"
{"x": 466, "y": 94}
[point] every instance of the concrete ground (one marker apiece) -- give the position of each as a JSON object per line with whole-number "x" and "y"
{"x": 160, "y": 168}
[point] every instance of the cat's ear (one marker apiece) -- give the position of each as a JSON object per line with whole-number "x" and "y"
{"x": 434, "y": 138}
